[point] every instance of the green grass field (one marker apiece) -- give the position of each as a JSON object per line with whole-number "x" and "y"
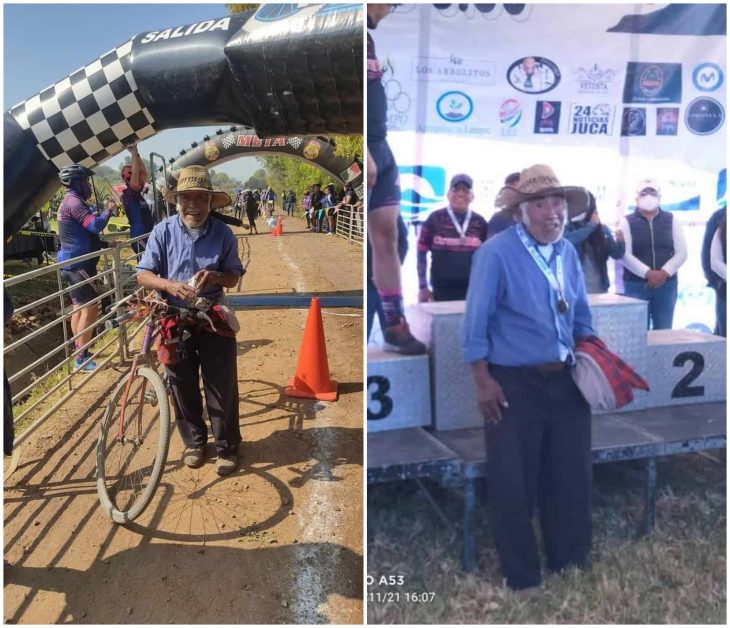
{"x": 677, "y": 576}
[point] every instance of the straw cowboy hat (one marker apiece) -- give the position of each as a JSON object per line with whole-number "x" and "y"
{"x": 197, "y": 179}
{"x": 540, "y": 180}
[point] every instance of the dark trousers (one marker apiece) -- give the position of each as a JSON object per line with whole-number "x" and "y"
{"x": 449, "y": 293}
{"x": 661, "y": 301}
{"x": 721, "y": 313}
{"x": 539, "y": 453}
{"x": 215, "y": 356}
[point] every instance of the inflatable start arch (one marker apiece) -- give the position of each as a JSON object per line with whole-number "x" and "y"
{"x": 282, "y": 69}
{"x": 236, "y": 142}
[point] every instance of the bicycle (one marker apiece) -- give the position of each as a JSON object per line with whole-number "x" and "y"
{"x": 134, "y": 434}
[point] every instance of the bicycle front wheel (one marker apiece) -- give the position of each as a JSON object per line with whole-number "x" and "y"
{"x": 131, "y": 453}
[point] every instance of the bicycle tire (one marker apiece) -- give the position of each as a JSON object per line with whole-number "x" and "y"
{"x": 109, "y": 420}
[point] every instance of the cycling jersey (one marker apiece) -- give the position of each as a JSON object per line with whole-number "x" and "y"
{"x": 79, "y": 229}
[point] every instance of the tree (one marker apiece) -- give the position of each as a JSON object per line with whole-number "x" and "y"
{"x": 257, "y": 180}
{"x": 240, "y": 8}
{"x": 349, "y": 146}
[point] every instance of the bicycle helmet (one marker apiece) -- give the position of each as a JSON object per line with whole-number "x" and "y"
{"x": 71, "y": 173}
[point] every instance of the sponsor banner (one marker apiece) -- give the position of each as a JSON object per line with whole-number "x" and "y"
{"x": 443, "y": 75}
{"x": 653, "y": 83}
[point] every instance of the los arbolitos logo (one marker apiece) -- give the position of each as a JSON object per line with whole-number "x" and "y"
{"x": 591, "y": 119}
{"x": 533, "y": 75}
{"x": 704, "y": 116}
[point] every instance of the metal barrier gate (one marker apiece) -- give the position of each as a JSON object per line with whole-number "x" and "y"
{"x": 115, "y": 279}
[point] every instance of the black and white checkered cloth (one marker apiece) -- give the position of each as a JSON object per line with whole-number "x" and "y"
{"x": 90, "y": 115}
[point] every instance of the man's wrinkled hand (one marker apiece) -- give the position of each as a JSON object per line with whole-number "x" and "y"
{"x": 180, "y": 290}
{"x": 205, "y": 278}
{"x": 491, "y": 401}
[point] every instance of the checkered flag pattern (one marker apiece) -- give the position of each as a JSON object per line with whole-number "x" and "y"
{"x": 90, "y": 115}
{"x": 295, "y": 142}
{"x": 229, "y": 140}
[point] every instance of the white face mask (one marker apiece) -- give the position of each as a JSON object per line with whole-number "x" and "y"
{"x": 648, "y": 202}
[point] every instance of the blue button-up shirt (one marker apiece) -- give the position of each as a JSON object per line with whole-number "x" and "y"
{"x": 511, "y": 316}
{"x": 172, "y": 253}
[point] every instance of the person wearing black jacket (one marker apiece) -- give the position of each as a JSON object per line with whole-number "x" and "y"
{"x": 595, "y": 244}
{"x": 714, "y": 281}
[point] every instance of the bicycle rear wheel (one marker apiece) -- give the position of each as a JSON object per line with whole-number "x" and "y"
{"x": 130, "y": 457}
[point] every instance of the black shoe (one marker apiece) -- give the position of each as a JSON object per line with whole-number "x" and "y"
{"x": 398, "y": 339}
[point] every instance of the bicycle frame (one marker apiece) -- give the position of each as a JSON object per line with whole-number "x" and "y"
{"x": 144, "y": 354}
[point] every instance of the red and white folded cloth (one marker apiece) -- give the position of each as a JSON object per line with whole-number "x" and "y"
{"x": 606, "y": 381}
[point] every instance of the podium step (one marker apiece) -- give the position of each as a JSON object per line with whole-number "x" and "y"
{"x": 398, "y": 391}
{"x": 685, "y": 367}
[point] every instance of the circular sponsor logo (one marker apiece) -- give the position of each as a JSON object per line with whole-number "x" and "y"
{"x": 211, "y": 151}
{"x": 510, "y": 113}
{"x": 704, "y": 116}
{"x": 454, "y": 106}
{"x": 651, "y": 80}
{"x": 707, "y": 77}
{"x": 533, "y": 75}
{"x": 311, "y": 150}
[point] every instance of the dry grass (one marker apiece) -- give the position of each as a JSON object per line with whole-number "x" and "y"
{"x": 677, "y": 576}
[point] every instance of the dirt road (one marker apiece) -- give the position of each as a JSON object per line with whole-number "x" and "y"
{"x": 280, "y": 541}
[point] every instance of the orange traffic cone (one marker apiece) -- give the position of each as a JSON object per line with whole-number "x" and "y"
{"x": 312, "y": 379}
{"x": 278, "y": 229}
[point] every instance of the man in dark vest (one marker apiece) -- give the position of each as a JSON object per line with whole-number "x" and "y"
{"x": 655, "y": 249}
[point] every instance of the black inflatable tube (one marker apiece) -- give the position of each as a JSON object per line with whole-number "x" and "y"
{"x": 282, "y": 69}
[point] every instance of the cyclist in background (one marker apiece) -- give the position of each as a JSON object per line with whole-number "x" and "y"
{"x": 79, "y": 226}
{"x": 135, "y": 206}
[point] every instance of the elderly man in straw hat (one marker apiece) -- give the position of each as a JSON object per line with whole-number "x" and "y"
{"x": 525, "y": 309}
{"x": 189, "y": 255}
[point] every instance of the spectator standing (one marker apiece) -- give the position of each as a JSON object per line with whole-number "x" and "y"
{"x": 655, "y": 250}
{"x": 291, "y": 203}
{"x": 504, "y": 217}
{"x": 714, "y": 280}
{"x": 595, "y": 244}
{"x": 718, "y": 263}
{"x": 251, "y": 207}
{"x": 135, "y": 206}
{"x": 451, "y": 235}
{"x": 306, "y": 203}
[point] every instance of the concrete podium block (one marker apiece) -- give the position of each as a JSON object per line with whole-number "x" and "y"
{"x": 398, "y": 391}
{"x": 621, "y": 323}
{"x": 685, "y": 367}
